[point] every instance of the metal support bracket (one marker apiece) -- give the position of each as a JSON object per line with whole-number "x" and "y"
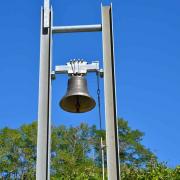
{"x": 53, "y": 75}
{"x": 77, "y": 67}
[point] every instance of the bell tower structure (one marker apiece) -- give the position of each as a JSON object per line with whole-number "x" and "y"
{"x": 46, "y": 74}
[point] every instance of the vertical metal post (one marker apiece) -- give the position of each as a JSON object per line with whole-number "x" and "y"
{"x": 44, "y": 107}
{"x": 113, "y": 161}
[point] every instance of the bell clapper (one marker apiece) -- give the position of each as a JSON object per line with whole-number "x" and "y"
{"x": 77, "y": 104}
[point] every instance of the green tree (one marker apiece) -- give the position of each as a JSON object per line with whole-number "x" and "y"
{"x": 18, "y": 152}
{"x": 76, "y": 154}
{"x": 9, "y": 152}
{"x": 132, "y": 151}
{"x": 153, "y": 171}
{"x": 28, "y": 150}
{"x": 70, "y": 150}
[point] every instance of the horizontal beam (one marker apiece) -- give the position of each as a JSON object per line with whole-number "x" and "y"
{"x": 77, "y": 67}
{"x": 78, "y": 28}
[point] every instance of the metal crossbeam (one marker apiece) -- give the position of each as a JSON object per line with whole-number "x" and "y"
{"x": 77, "y": 28}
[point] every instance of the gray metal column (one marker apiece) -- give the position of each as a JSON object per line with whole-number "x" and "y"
{"x": 44, "y": 123}
{"x": 113, "y": 161}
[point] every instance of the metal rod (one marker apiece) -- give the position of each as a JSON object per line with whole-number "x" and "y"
{"x": 102, "y": 159}
{"x": 78, "y": 28}
{"x": 112, "y": 145}
{"x": 44, "y": 106}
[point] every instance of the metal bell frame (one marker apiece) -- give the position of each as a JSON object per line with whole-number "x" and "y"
{"x": 45, "y": 81}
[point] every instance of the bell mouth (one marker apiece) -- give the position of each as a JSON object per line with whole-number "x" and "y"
{"x": 77, "y": 103}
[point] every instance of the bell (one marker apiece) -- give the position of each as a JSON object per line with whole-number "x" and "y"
{"x": 77, "y": 98}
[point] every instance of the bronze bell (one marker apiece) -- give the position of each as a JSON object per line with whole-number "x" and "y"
{"x": 77, "y": 98}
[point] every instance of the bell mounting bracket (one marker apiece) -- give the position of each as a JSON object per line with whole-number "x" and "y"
{"x": 77, "y": 67}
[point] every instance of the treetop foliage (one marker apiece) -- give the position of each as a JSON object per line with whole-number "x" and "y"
{"x": 76, "y": 154}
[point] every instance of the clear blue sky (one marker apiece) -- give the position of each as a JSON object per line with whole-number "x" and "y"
{"x": 147, "y": 42}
